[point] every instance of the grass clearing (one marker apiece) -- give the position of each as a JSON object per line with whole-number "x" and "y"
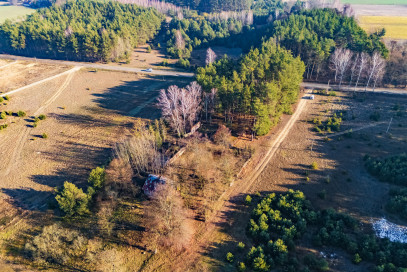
{"x": 13, "y": 12}
{"x": 396, "y": 26}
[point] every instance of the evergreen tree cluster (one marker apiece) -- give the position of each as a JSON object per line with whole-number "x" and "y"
{"x": 81, "y": 30}
{"x": 278, "y": 221}
{"x": 314, "y": 34}
{"x": 259, "y": 87}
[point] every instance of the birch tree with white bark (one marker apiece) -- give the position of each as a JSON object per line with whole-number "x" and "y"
{"x": 210, "y": 56}
{"x": 341, "y": 59}
{"x": 376, "y": 69}
{"x": 363, "y": 59}
{"x": 180, "y": 106}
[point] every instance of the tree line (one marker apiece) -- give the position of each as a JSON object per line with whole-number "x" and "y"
{"x": 81, "y": 30}
{"x": 214, "y": 5}
{"x": 314, "y": 34}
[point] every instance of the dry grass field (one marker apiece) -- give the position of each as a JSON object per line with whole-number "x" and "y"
{"x": 396, "y": 26}
{"x": 13, "y": 12}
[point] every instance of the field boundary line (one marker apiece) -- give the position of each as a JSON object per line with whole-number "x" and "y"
{"x": 356, "y": 129}
{"x": 8, "y": 64}
{"x": 42, "y": 81}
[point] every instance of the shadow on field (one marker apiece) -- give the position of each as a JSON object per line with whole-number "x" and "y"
{"x": 137, "y": 98}
{"x": 28, "y": 199}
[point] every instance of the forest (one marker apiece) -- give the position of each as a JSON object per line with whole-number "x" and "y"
{"x": 81, "y": 30}
{"x": 257, "y": 89}
{"x": 214, "y": 5}
{"x": 278, "y": 223}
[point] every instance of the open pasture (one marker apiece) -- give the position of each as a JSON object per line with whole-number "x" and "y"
{"x": 396, "y": 26}
{"x": 13, "y": 12}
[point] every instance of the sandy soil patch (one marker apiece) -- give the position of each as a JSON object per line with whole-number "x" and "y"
{"x": 21, "y": 73}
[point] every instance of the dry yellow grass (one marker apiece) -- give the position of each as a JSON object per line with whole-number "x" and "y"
{"x": 396, "y": 26}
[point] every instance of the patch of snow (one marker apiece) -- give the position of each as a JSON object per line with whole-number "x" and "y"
{"x": 386, "y": 229}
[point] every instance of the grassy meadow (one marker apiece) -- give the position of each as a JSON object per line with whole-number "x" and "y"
{"x": 396, "y": 26}
{"x": 13, "y": 12}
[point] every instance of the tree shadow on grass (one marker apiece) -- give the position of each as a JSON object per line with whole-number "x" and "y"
{"x": 137, "y": 98}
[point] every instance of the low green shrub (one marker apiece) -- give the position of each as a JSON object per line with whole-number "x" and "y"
{"x": 21, "y": 113}
{"x": 44, "y": 135}
{"x": 230, "y": 257}
{"x": 248, "y": 200}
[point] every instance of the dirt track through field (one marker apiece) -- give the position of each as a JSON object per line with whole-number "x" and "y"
{"x": 241, "y": 187}
{"x": 26, "y": 131}
{"x": 42, "y": 81}
{"x": 8, "y": 64}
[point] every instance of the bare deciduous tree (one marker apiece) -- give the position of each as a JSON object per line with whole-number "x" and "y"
{"x": 210, "y": 56}
{"x": 179, "y": 40}
{"x": 141, "y": 152}
{"x": 181, "y": 106}
{"x": 161, "y": 6}
{"x": 348, "y": 10}
{"x": 210, "y": 103}
{"x": 340, "y": 59}
{"x": 376, "y": 69}
{"x": 363, "y": 59}
{"x": 166, "y": 219}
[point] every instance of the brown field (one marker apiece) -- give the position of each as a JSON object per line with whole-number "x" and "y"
{"x": 95, "y": 110}
{"x": 22, "y": 73}
{"x": 380, "y": 10}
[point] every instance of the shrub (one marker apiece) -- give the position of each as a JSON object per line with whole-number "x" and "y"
{"x": 72, "y": 200}
{"x": 241, "y": 246}
{"x": 3, "y": 115}
{"x": 230, "y": 257}
{"x": 42, "y": 117}
{"x": 1, "y": 99}
{"x": 165, "y": 63}
{"x": 6, "y": 97}
{"x": 375, "y": 116}
{"x": 357, "y": 259}
{"x": 314, "y": 166}
{"x": 222, "y": 136}
{"x": 44, "y": 135}
{"x": 315, "y": 263}
{"x": 183, "y": 63}
{"x": 56, "y": 245}
{"x": 241, "y": 267}
{"x": 149, "y": 49}
{"x": 322, "y": 194}
{"x": 21, "y": 113}
{"x": 248, "y": 200}
{"x": 97, "y": 178}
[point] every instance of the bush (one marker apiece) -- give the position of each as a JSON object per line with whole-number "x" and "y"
{"x": 315, "y": 263}
{"x": 149, "y": 49}
{"x": 57, "y": 245}
{"x": 21, "y": 113}
{"x": 42, "y": 117}
{"x": 1, "y": 99}
{"x": 248, "y": 200}
{"x": 6, "y": 97}
{"x": 241, "y": 267}
{"x": 183, "y": 63}
{"x": 375, "y": 116}
{"x": 230, "y": 257}
{"x": 241, "y": 246}
{"x": 44, "y": 135}
{"x": 3, "y": 115}
{"x": 356, "y": 259}
{"x": 97, "y": 178}
{"x": 72, "y": 200}
{"x": 314, "y": 166}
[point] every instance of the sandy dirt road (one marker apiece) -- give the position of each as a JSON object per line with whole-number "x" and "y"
{"x": 101, "y": 66}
